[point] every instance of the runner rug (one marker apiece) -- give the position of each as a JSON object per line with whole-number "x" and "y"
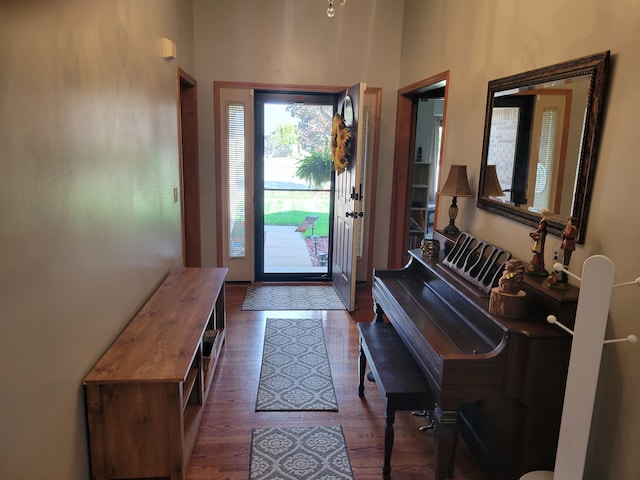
{"x": 295, "y": 372}
{"x": 300, "y": 453}
{"x": 295, "y": 297}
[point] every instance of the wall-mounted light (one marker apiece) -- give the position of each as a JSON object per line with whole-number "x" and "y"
{"x": 168, "y": 49}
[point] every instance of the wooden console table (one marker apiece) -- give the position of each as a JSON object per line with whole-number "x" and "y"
{"x": 145, "y": 396}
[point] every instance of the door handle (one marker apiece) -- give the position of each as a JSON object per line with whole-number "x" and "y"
{"x": 354, "y": 214}
{"x": 356, "y": 196}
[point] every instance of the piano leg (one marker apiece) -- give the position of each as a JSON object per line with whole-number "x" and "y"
{"x": 388, "y": 440}
{"x": 362, "y": 366}
{"x": 446, "y": 433}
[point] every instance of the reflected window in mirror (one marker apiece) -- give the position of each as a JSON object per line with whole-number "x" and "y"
{"x": 541, "y": 135}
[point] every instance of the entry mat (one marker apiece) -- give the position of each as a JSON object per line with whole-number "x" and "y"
{"x": 299, "y": 453}
{"x": 295, "y": 374}
{"x": 291, "y": 297}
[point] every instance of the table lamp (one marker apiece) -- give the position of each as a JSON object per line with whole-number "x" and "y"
{"x": 455, "y": 186}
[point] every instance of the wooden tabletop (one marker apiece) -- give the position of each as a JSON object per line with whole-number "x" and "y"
{"x": 152, "y": 346}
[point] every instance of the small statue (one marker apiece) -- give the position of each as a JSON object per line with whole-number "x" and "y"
{"x": 430, "y": 248}
{"x": 507, "y": 300}
{"x": 569, "y": 234}
{"x": 539, "y": 235}
{"x": 512, "y": 277}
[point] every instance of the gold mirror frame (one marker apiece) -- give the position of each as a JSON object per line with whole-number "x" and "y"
{"x": 593, "y": 66}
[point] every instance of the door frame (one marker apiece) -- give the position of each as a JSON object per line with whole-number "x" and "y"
{"x": 189, "y": 165}
{"x": 404, "y": 153}
{"x": 375, "y": 92}
{"x": 263, "y": 97}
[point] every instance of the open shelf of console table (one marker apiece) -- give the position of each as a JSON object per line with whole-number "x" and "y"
{"x": 146, "y": 394}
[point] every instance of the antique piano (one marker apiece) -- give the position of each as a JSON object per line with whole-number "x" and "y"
{"x": 497, "y": 382}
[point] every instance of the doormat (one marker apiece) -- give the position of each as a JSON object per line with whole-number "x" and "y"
{"x": 294, "y": 297}
{"x": 295, "y": 373}
{"x": 300, "y": 453}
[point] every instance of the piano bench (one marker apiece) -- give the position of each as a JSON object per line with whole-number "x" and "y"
{"x": 397, "y": 375}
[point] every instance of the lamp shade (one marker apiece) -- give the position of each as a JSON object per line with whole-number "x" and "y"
{"x": 492, "y": 186}
{"x": 457, "y": 184}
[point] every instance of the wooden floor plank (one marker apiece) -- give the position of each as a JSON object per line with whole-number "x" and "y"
{"x": 223, "y": 444}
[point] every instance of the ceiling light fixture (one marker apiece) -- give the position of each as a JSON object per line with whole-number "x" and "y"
{"x": 332, "y": 11}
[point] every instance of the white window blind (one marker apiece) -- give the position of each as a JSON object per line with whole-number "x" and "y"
{"x": 363, "y": 177}
{"x": 544, "y": 169}
{"x": 236, "y": 159}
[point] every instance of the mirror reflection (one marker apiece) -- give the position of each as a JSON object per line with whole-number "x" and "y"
{"x": 540, "y": 137}
{"x": 534, "y": 143}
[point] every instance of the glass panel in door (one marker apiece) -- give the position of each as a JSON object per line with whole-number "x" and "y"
{"x": 293, "y": 187}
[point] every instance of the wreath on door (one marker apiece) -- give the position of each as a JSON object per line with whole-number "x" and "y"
{"x": 340, "y": 144}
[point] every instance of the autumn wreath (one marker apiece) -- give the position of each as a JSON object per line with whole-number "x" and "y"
{"x": 340, "y": 144}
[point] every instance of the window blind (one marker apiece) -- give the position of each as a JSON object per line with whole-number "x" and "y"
{"x": 236, "y": 185}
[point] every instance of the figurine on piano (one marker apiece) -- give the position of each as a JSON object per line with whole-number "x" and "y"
{"x": 507, "y": 300}
{"x": 539, "y": 235}
{"x": 569, "y": 234}
{"x": 512, "y": 277}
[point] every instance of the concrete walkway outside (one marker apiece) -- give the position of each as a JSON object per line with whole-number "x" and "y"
{"x": 285, "y": 251}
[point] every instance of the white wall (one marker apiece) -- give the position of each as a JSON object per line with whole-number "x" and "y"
{"x": 294, "y": 42}
{"x": 482, "y": 41}
{"x": 89, "y": 160}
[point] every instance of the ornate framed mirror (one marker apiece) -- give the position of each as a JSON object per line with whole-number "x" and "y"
{"x": 540, "y": 143}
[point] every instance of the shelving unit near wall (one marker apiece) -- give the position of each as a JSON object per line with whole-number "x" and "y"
{"x": 146, "y": 394}
{"x": 420, "y": 210}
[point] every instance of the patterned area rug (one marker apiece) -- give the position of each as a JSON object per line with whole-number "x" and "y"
{"x": 300, "y": 453}
{"x": 297, "y": 297}
{"x": 295, "y": 371}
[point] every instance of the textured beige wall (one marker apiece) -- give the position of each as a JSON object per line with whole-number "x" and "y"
{"x": 293, "y": 42}
{"x": 482, "y": 41}
{"x": 89, "y": 161}
{"x": 88, "y": 164}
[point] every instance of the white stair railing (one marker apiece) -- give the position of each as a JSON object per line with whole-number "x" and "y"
{"x": 592, "y": 313}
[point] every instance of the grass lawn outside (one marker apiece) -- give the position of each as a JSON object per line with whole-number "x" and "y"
{"x": 290, "y": 207}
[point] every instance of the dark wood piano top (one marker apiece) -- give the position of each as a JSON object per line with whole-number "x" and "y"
{"x": 469, "y": 299}
{"x": 466, "y": 352}
{"x": 439, "y": 320}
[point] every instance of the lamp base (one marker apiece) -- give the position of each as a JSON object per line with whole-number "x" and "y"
{"x": 451, "y": 229}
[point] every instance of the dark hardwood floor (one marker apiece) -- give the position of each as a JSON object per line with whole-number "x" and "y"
{"x": 222, "y": 448}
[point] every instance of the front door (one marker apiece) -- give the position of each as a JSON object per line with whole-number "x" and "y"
{"x": 293, "y": 185}
{"x": 348, "y": 199}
